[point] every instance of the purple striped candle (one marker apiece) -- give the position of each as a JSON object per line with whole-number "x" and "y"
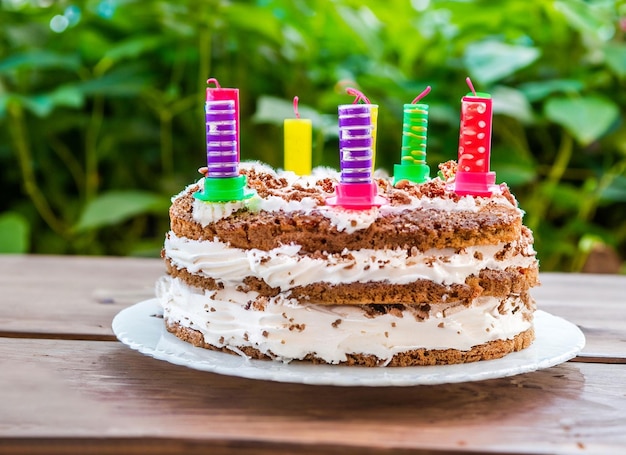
{"x": 355, "y": 143}
{"x": 221, "y": 139}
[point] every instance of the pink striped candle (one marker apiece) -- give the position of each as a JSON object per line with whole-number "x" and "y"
{"x": 356, "y": 190}
{"x": 221, "y": 139}
{"x": 218, "y": 93}
{"x": 355, "y": 143}
{"x": 222, "y": 182}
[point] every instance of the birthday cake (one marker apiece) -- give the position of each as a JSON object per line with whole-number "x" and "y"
{"x": 317, "y": 268}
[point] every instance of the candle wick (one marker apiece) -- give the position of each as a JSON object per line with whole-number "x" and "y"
{"x": 213, "y": 81}
{"x": 359, "y": 95}
{"x": 421, "y": 95}
{"x": 471, "y": 86}
{"x": 295, "y": 106}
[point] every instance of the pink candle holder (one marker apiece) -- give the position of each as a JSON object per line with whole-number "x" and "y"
{"x": 356, "y": 196}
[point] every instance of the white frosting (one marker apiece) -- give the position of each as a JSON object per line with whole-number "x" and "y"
{"x": 284, "y": 268}
{"x": 286, "y": 330}
{"x": 350, "y": 221}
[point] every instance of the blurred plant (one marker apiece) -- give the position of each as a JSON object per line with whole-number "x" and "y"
{"x": 101, "y": 104}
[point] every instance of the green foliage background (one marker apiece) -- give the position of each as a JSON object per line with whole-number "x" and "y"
{"x": 101, "y": 121}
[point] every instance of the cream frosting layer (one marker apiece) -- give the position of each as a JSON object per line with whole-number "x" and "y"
{"x": 285, "y": 268}
{"x": 287, "y": 331}
{"x": 343, "y": 220}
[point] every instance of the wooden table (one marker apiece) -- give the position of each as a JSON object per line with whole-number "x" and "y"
{"x": 67, "y": 385}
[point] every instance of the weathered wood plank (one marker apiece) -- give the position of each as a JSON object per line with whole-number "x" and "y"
{"x": 70, "y": 297}
{"x": 596, "y": 303}
{"x": 77, "y": 297}
{"x": 95, "y": 390}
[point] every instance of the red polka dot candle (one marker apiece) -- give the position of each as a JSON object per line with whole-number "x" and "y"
{"x": 473, "y": 176}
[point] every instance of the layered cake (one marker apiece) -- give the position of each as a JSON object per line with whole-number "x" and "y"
{"x": 429, "y": 277}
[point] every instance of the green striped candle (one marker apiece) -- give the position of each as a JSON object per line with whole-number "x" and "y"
{"x": 413, "y": 165}
{"x": 414, "y": 132}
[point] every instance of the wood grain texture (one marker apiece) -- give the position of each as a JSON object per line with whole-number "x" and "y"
{"x": 77, "y": 298}
{"x": 60, "y": 393}
{"x": 70, "y": 297}
{"x": 102, "y": 393}
{"x": 596, "y": 303}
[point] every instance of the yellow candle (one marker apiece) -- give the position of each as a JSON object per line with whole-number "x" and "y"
{"x": 374, "y": 114}
{"x": 298, "y": 143}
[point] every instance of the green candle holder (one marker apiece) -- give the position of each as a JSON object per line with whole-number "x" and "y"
{"x": 225, "y": 189}
{"x": 418, "y": 173}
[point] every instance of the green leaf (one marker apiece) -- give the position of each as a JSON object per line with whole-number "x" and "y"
{"x": 252, "y": 19}
{"x": 615, "y": 55}
{"x": 122, "y": 82}
{"x": 564, "y": 197}
{"x": 126, "y": 80}
{"x": 40, "y": 105}
{"x": 365, "y": 27}
{"x": 536, "y": 91}
{"x": 134, "y": 47}
{"x": 588, "y": 17}
{"x": 129, "y": 49}
{"x": 275, "y": 110}
{"x": 514, "y": 174}
{"x": 68, "y": 96}
{"x": 513, "y": 166}
{"x": 14, "y": 233}
{"x": 117, "y": 206}
{"x": 511, "y": 102}
{"x": 586, "y": 118}
{"x": 39, "y": 60}
{"x": 491, "y": 61}
{"x": 43, "y": 104}
{"x": 616, "y": 191}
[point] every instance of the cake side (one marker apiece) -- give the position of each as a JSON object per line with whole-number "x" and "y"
{"x": 429, "y": 278}
{"x": 416, "y": 357}
{"x": 286, "y": 330}
{"x": 390, "y": 256}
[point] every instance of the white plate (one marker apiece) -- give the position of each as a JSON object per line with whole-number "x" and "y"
{"x": 139, "y": 327}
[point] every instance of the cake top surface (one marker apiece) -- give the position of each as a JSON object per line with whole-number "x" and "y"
{"x": 278, "y": 190}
